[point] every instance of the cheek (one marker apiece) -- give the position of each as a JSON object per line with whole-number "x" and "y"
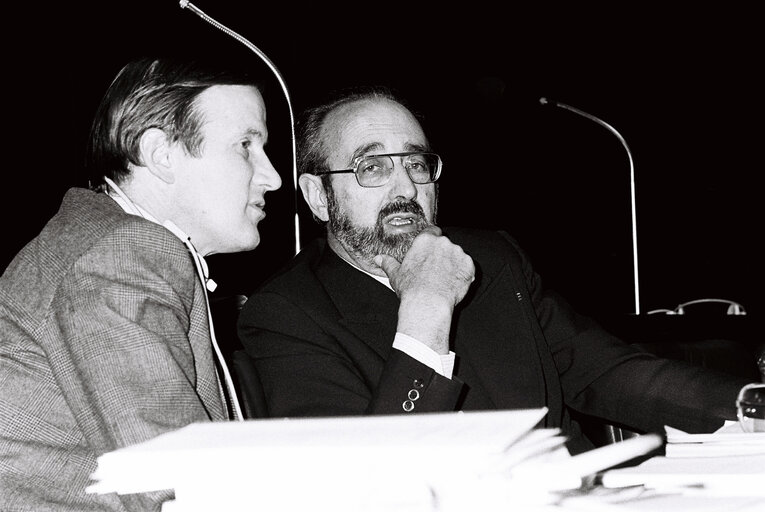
{"x": 362, "y": 209}
{"x": 226, "y": 201}
{"x": 427, "y": 200}
{"x": 233, "y": 185}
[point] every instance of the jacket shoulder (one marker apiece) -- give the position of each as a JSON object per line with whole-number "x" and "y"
{"x": 490, "y": 248}
{"x": 298, "y": 273}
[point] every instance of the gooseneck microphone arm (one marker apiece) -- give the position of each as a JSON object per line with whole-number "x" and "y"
{"x": 545, "y": 101}
{"x": 186, "y": 4}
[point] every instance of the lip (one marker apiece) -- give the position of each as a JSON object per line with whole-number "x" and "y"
{"x": 260, "y": 207}
{"x": 401, "y": 223}
{"x": 393, "y": 217}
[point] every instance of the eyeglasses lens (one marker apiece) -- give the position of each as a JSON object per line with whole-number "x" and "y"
{"x": 375, "y": 171}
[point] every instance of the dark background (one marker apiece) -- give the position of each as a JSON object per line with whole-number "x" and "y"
{"x": 682, "y": 86}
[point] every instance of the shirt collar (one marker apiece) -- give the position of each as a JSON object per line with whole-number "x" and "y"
{"x": 126, "y": 203}
{"x": 383, "y": 280}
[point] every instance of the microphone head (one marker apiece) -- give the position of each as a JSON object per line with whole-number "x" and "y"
{"x": 543, "y": 100}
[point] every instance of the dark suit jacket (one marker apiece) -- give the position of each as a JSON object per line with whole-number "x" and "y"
{"x": 104, "y": 342}
{"x": 320, "y": 333}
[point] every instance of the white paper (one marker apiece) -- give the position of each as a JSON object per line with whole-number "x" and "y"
{"x": 397, "y": 462}
{"x": 569, "y": 473}
{"x": 729, "y": 440}
{"x": 741, "y": 475}
{"x": 450, "y": 462}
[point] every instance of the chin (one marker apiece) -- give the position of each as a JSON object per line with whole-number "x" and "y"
{"x": 251, "y": 244}
{"x": 236, "y": 242}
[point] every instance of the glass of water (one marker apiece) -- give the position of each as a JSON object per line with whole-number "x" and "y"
{"x": 750, "y": 405}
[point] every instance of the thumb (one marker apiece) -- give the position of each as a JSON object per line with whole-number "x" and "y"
{"x": 389, "y": 264}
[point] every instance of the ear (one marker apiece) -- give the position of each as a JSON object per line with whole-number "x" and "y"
{"x": 156, "y": 154}
{"x": 315, "y": 195}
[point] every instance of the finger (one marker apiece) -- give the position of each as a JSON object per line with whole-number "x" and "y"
{"x": 389, "y": 264}
{"x": 432, "y": 229}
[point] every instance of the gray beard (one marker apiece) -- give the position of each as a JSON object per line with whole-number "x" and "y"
{"x": 368, "y": 242}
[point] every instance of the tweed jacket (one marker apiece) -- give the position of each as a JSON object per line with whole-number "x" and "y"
{"x": 104, "y": 342}
{"x": 320, "y": 334}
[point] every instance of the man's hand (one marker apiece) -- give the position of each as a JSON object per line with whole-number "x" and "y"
{"x": 432, "y": 279}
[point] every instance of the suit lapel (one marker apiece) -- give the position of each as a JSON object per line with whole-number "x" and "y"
{"x": 368, "y": 308}
{"x": 493, "y": 340}
{"x": 204, "y": 358}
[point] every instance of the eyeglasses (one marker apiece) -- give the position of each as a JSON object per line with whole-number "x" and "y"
{"x": 750, "y": 406}
{"x": 376, "y": 170}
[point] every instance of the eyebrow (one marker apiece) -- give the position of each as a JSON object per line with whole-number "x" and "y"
{"x": 255, "y": 133}
{"x": 376, "y": 146}
{"x": 366, "y": 149}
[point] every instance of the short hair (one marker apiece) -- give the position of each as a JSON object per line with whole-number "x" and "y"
{"x": 311, "y": 152}
{"x": 152, "y": 93}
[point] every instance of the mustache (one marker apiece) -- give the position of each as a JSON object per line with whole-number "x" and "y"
{"x": 401, "y": 207}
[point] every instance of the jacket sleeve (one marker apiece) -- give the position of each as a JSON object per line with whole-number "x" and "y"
{"x": 310, "y": 365}
{"x": 604, "y": 376}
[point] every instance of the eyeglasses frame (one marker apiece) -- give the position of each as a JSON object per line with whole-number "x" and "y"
{"x": 359, "y": 159}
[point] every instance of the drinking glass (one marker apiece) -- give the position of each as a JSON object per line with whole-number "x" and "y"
{"x": 750, "y": 405}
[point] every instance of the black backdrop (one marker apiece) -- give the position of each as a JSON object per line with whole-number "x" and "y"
{"x": 681, "y": 85}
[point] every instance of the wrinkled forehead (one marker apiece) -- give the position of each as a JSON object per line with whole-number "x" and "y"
{"x": 371, "y": 125}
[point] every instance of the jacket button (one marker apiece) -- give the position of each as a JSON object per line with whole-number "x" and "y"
{"x": 408, "y": 405}
{"x": 413, "y": 395}
{"x": 418, "y": 383}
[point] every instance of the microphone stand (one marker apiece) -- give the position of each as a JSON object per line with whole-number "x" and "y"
{"x": 186, "y": 4}
{"x": 545, "y": 101}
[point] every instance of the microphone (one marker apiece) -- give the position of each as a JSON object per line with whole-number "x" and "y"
{"x": 186, "y": 4}
{"x": 545, "y": 101}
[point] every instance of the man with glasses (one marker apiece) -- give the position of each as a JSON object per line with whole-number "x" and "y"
{"x": 391, "y": 314}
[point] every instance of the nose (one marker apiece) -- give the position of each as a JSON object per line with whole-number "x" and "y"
{"x": 266, "y": 175}
{"x": 401, "y": 185}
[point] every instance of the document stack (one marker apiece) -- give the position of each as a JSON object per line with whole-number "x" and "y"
{"x": 725, "y": 467}
{"x": 438, "y": 462}
{"x": 729, "y": 441}
{"x": 425, "y": 462}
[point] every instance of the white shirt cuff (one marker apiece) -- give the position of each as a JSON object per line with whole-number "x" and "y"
{"x": 442, "y": 364}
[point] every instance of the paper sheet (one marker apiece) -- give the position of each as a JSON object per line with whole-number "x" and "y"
{"x": 740, "y": 475}
{"x": 729, "y": 440}
{"x": 450, "y": 462}
{"x": 397, "y": 462}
